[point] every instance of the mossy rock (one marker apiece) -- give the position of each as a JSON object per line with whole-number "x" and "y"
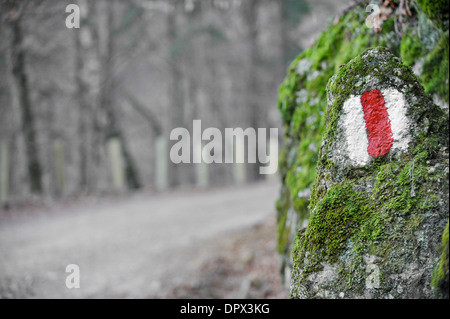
{"x": 376, "y": 219}
{"x": 437, "y": 11}
{"x": 440, "y": 273}
{"x": 435, "y": 70}
{"x": 303, "y": 99}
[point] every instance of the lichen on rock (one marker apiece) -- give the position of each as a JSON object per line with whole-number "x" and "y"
{"x": 375, "y": 225}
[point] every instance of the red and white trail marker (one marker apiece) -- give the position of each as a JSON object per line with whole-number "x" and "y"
{"x": 375, "y": 124}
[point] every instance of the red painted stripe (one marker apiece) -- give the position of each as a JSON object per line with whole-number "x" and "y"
{"x": 378, "y": 125}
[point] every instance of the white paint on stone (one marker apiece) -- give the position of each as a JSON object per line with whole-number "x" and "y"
{"x": 352, "y": 120}
{"x": 400, "y": 124}
{"x": 354, "y": 127}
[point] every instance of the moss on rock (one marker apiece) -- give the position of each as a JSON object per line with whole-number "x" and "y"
{"x": 437, "y": 11}
{"x": 435, "y": 70}
{"x": 440, "y": 273}
{"x": 374, "y": 228}
{"x": 303, "y": 99}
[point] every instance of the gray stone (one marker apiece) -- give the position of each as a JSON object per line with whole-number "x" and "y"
{"x": 376, "y": 225}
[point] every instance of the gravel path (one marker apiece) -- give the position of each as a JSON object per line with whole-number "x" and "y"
{"x": 136, "y": 247}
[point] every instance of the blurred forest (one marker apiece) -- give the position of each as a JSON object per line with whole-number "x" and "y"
{"x": 90, "y": 110}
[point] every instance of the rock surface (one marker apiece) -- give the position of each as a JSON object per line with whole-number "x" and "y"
{"x": 376, "y": 223}
{"x": 421, "y": 44}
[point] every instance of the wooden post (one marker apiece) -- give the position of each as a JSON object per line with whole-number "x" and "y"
{"x": 162, "y": 161}
{"x": 58, "y": 148}
{"x": 116, "y": 160}
{"x": 239, "y": 169}
{"x": 201, "y": 169}
{"x": 4, "y": 173}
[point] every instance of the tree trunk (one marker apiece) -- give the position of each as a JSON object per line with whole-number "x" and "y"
{"x": 83, "y": 104}
{"x": 284, "y": 63}
{"x": 175, "y": 87}
{"x": 107, "y": 101}
{"x": 255, "y": 112}
{"x": 4, "y": 173}
{"x": 193, "y": 105}
{"x": 28, "y": 121}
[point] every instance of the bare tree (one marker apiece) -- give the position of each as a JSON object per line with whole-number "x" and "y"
{"x": 175, "y": 86}
{"x": 107, "y": 94}
{"x": 256, "y": 112}
{"x": 82, "y": 94}
{"x": 18, "y": 58}
{"x": 133, "y": 71}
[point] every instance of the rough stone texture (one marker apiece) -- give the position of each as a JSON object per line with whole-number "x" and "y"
{"x": 440, "y": 272}
{"x": 303, "y": 101}
{"x": 375, "y": 229}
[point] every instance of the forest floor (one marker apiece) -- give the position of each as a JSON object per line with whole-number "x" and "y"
{"x": 240, "y": 266}
{"x": 217, "y": 243}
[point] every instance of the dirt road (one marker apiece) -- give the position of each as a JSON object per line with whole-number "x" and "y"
{"x": 127, "y": 248}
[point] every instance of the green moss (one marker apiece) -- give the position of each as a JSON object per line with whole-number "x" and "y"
{"x": 378, "y": 223}
{"x": 282, "y": 205}
{"x": 411, "y": 48}
{"x": 356, "y": 70}
{"x": 437, "y": 11}
{"x": 303, "y": 104}
{"x": 391, "y": 194}
{"x": 440, "y": 273}
{"x": 435, "y": 70}
{"x": 335, "y": 219}
{"x": 380, "y": 208}
{"x": 287, "y": 98}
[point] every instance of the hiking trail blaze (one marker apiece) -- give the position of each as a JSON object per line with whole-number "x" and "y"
{"x": 378, "y": 125}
